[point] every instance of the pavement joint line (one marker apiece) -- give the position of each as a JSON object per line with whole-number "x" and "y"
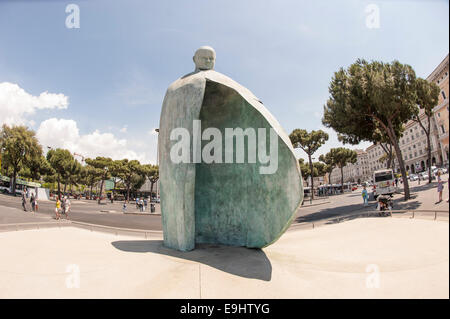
{"x": 360, "y": 214}
{"x": 310, "y": 205}
{"x": 117, "y": 228}
{"x": 143, "y": 214}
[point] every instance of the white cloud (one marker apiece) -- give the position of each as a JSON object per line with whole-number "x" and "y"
{"x": 16, "y": 104}
{"x": 65, "y": 134}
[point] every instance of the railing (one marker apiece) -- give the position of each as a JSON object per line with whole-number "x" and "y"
{"x": 413, "y": 211}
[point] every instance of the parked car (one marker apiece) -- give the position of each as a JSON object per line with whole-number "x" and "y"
{"x": 413, "y": 177}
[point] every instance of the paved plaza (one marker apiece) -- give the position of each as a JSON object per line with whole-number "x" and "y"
{"x": 363, "y": 258}
{"x": 352, "y": 254}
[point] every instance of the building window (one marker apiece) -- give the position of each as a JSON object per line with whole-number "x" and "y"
{"x": 443, "y": 95}
{"x": 443, "y": 129}
{"x": 439, "y": 114}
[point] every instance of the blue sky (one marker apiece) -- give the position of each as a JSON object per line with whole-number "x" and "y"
{"x": 115, "y": 68}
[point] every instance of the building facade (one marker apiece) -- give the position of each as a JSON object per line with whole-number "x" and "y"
{"x": 441, "y": 112}
{"x": 413, "y": 145}
{"x": 413, "y": 142}
{"x": 357, "y": 172}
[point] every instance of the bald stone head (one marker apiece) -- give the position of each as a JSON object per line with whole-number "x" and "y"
{"x": 204, "y": 58}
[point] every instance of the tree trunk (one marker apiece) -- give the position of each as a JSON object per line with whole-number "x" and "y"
{"x": 401, "y": 163}
{"x": 427, "y": 133}
{"x": 429, "y": 153}
{"x": 312, "y": 175}
{"x": 113, "y": 192}
{"x": 100, "y": 192}
{"x": 391, "y": 157}
{"x": 342, "y": 179}
{"x": 128, "y": 193}
{"x": 14, "y": 182}
{"x": 151, "y": 190}
{"x": 59, "y": 187}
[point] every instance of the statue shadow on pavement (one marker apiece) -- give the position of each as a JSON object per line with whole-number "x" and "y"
{"x": 349, "y": 212}
{"x": 239, "y": 261}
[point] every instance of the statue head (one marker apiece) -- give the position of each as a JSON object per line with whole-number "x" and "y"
{"x": 204, "y": 58}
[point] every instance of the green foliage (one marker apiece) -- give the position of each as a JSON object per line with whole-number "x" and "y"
{"x": 36, "y": 167}
{"x": 339, "y": 157}
{"x": 61, "y": 161}
{"x": 132, "y": 170}
{"x": 372, "y": 101}
{"x": 427, "y": 98}
{"x": 102, "y": 164}
{"x": 308, "y": 142}
{"x": 19, "y": 147}
{"x": 319, "y": 169}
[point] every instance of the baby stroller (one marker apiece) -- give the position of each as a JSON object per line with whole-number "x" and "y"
{"x": 385, "y": 204}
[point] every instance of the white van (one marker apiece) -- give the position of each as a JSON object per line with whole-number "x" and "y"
{"x": 383, "y": 182}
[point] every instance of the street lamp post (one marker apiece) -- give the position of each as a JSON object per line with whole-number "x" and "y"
{"x": 157, "y": 162}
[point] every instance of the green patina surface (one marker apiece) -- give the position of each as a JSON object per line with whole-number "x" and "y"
{"x": 231, "y": 204}
{"x": 234, "y": 203}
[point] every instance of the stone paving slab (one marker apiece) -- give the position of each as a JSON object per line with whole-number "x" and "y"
{"x": 10, "y": 215}
{"x": 361, "y": 258}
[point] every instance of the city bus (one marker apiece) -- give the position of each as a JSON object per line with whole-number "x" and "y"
{"x": 383, "y": 182}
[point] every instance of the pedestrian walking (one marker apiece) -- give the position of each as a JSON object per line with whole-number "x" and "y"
{"x": 63, "y": 205}
{"x": 24, "y": 202}
{"x": 365, "y": 196}
{"x": 124, "y": 208}
{"x": 67, "y": 206}
{"x": 145, "y": 204}
{"x": 57, "y": 208}
{"x": 33, "y": 203}
{"x": 440, "y": 186}
{"x": 396, "y": 182}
